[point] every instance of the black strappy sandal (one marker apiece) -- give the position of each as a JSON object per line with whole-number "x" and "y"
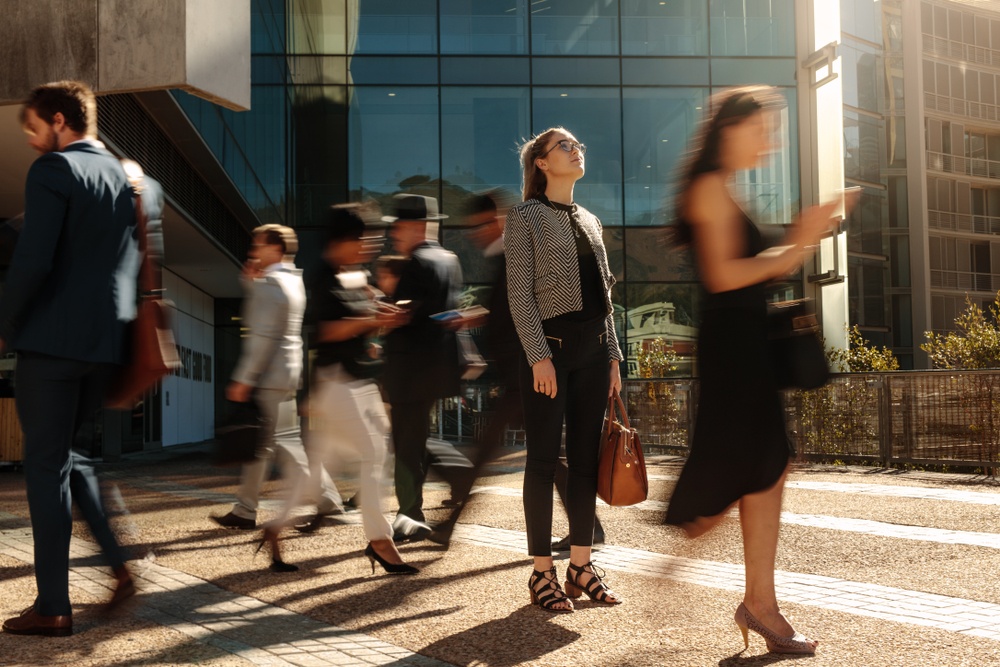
{"x": 550, "y": 594}
{"x": 595, "y": 589}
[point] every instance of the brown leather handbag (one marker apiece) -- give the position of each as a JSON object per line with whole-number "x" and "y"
{"x": 153, "y": 351}
{"x": 621, "y": 472}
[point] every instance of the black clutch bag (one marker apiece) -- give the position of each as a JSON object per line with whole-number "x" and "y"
{"x": 236, "y": 441}
{"x": 796, "y": 349}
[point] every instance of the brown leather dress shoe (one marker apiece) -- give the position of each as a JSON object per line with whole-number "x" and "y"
{"x": 31, "y": 623}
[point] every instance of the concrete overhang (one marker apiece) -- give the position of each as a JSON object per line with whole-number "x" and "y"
{"x": 120, "y": 46}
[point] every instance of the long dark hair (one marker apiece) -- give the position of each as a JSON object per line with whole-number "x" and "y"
{"x": 727, "y": 108}
{"x": 533, "y": 179}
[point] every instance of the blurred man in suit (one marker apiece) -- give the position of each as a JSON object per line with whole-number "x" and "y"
{"x": 270, "y": 368}
{"x": 70, "y": 293}
{"x": 422, "y": 360}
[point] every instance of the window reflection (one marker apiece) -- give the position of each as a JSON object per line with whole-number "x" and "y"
{"x": 318, "y": 27}
{"x": 482, "y": 130}
{"x": 754, "y": 28}
{"x": 593, "y": 115}
{"x": 649, "y": 257}
{"x": 572, "y": 27}
{"x": 484, "y": 26}
{"x": 660, "y": 318}
{"x": 657, "y": 28}
{"x": 657, "y": 124}
{"x": 319, "y": 164}
{"x": 390, "y": 26}
{"x": 393, "y": 141}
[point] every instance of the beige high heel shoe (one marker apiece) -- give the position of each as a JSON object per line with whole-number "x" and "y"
{"x": 797, "y": 643}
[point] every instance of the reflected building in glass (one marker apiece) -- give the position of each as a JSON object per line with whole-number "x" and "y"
{"x": 359, "y": 100}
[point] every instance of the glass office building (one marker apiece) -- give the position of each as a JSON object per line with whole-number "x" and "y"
{"x": 360, "y": 100}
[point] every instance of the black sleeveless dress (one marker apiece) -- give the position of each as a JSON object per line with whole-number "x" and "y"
{"x": 740, "y": 444}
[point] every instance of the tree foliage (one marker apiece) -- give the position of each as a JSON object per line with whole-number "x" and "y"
{"x": 861, "y": 356}
{"x": 976, "y": 344}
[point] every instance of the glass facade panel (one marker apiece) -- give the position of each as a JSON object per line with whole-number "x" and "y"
{"x": 375, "y": 70}
{"x": 320, "y": 163}
{"x": 576, "y": 71}
{"x": 477, "y": 71}
{"x": 657, "y": 28}
{"x": 665, "y": 71}
{"x": 862, "y": 18}
{"x": 862, "y": 147}
{"x": 393, "y": 141}
{"x": 322, "y": 70}
{"x": 866, "y": 281}
{"x": 649, "y": 257}
{"x": 318, "y": 27}
{"x": 479, "y": 144}
{"x": 267, "y": 26}
{"x": 657, "y": 124}
{"x": 574, "y": 28}
{"x": 862, "y": 71}
{"x": 484, "y": 26}
{"x": 593, "y": 115}
{"x": 752, "y": 27}
{"x": 738, "y": 71}
{"x": 389, "y": 26}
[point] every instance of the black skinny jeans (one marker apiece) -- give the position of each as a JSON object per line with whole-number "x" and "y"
{"x": 580, "y": 357}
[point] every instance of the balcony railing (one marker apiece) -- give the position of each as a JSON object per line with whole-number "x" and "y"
{"x": 977, "y": 110}
{"x": 939, "y": 46}
{"x": 964, "y": 222}
{"x": 957, "y": 164}
{"x": 965, "y": 280}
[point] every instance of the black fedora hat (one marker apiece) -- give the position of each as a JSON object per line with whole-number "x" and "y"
{"x": 414, "y": 207}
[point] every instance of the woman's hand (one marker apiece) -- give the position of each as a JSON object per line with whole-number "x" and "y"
{"x": 616, "y": 379}
{"x": 812, "y": 224}
{"x": 544, "y": 377}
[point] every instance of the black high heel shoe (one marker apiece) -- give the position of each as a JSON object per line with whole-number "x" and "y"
{"x": 595, "y": 589}
{"x": 391, "y": 568}
{"x": 277, "y": 565}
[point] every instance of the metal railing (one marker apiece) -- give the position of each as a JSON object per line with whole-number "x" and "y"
{"x": 964, "y": 222}
{"x": 941, "y": 418}
{"x": 945, "y": 104}
{"x": 965, "y": 280}
{"x": 939, "y": 46}
{"x": 958, "y": 164}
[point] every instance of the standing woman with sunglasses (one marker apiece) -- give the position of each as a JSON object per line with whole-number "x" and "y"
{"x": 559, "y": 288}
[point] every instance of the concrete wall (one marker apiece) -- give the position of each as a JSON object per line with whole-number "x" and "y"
{"x": 129, "y": 45}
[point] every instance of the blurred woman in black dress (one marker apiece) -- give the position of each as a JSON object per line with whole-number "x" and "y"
{"x": 740, "y": 449}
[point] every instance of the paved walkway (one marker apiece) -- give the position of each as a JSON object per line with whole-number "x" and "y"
{"x": 255, "y": 631}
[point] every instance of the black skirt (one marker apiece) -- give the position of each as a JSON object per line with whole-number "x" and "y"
{"x": 740, "y": 444}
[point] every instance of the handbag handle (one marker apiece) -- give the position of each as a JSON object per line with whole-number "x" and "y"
{"x": 149, "y": 274}
{"x": 616, "y": 400}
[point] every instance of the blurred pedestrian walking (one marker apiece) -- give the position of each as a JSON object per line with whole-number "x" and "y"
{"x": 422, "y": 360}
{"x": 559, "y": 286}
{"x": 347, "y": 417}
{"x": 269, "y": 371}
{"x": 740, "y": 449}
{"x": 70, "y": 293}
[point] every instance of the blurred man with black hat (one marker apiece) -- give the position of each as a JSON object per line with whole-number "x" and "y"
{"x": 422, "y": 359}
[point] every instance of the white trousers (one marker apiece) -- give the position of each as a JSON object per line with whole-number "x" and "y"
{"x": 348, "y": 423}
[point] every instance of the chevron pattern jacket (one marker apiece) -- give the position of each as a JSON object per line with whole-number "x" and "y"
{"x": 543, "y": 273}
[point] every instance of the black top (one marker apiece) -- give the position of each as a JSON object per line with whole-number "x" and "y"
{"x": 591, "y": 282}
{"x": 335, "y": 301}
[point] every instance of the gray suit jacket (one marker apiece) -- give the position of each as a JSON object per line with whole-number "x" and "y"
{"x": 271, "y": 357}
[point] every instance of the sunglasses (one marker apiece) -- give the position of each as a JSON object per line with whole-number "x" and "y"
{"x": 567, "y": 146}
